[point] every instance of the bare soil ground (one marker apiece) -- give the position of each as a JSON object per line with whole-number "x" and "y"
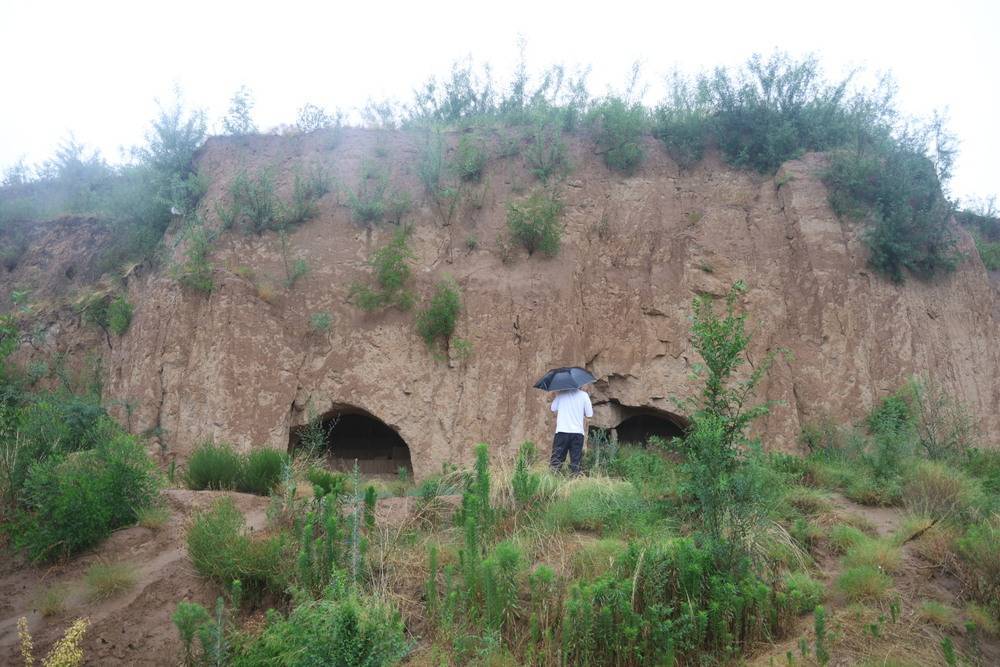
{"x": 134, "y": 627}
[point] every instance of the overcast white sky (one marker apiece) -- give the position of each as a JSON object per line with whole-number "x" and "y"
{"x": 95, "y": 68}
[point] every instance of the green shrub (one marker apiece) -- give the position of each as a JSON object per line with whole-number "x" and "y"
{"x": 436, "y": 321}
{"x": 345, "y": 631}
{"x": 897, "y": 190}
{"x": 989, "y": 253}
{"x": 618, "y": 127}
{"x": 254, "y": 206}
{"x": 682, "y": 125}
{"x": 803, "y": 592}
{"x": 368, "y": 200}
{"x": 213, "y": 466}
{"x": 864, "y": 583}
{"x": 326, "y": 483}
{"x": 223, "y": 550}
{"x": 238, "y": 120}
{"x": 534, "y": 223}
{"x": 320, "y": 323}
{"x": 546, "y": 153}
{"x": 188, "y": 617}
{"x": 979, "y": 550}
{"x": 391, "y": 272}
{"x": 652, "y": 474}
{"x": 470, "y": 159}
{"x": 595, "y": 559}
{"x": 307, "y": 188}
{"x": 72, "y": 502}
{"x": 196, "y": 270}
{"x": 119, "y": 315}
{"x": 524, "y": 483}
{"x": 261, "y": 471}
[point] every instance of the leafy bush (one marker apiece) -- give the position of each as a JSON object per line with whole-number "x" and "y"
{"x": 196, "y": 270}
{"x": 470, "y": 159}
{"x": 683, "y": 132}
{"x": 72, "y": 502}
{"x": 312, "y": 118}
{"x": 804, "y": 593}
{"x": 944, "y": 426}
{"x": 325, "y": 483}
{"x": 392, "y": 272}
{"x": 253, "y": 204}
{"x": 618, "y": 127}
{"x": 213, "y": 466}
{"x": 223, "y": 550}
{"x": 119, "y": 315}
{"x": 307, "y": 188}
{"x": 897, "y": 189}
{"x": 261, "y": 471}
{"x": 436, "y": 322}
{"x": 534, "y": 223}
{"x": 320, "y": 323}
{"x": 368, "y": 200}
{"x": 345, "y": 631}
{"x": 979, "y": 550}
{"x": 546, "y": 154}
{"x": 238, "y": 121}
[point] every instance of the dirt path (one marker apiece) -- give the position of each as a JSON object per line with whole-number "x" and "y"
{"x": 132, "y": 628}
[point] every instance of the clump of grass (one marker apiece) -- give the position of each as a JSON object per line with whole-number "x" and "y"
{"x": 213, "y": 466}
{"x": 808, "y": 501}
{"x": 844, "y": 537}
{"x": 595, "y": 559}
{"x": 864, "y": 583}
{"x": 939, "y": 614}
{"x": 981, "y": 618}
{"x": 597, "y": 504}
{"x": 941, "y": 492}
{"x": 878, "y": 554}
{"x": 106, "y": 580}
{"x": 51, "y": 601}
{"x": 153, "y": 517}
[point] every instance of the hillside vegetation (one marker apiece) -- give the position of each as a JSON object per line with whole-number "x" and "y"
{"x": 884, "y": 171}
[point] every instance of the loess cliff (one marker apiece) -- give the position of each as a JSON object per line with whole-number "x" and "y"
{"x": 243, "y": 365}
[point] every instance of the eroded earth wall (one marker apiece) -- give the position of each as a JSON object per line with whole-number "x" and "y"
{"x": 243, "y": 364}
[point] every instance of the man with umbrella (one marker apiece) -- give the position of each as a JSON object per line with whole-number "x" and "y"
{"x": 572, "y": 407}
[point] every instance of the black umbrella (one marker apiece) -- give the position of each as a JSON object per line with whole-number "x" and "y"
{"x": 560, "y": 379}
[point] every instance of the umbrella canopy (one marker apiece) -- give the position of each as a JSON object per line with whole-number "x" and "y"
{"x": 561, "y": 379}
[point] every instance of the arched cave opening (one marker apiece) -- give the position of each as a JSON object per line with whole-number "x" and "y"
{"x": 351, "y": 434}
{"x": 637, "y": 425}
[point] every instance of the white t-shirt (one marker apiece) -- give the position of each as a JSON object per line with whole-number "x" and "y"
{"x": 570, "y": 408}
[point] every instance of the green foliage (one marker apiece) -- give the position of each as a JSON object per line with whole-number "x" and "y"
{"x": 984, "y": 224}
{"x": 196, "y": 270}
{"x": 600, "y": 505}
{"x": 682, "y": 124}
{"x": 524, "y": 483}
{"x": 321, "y": 322}
{"x": 238, "y": 121}
{"x": 546, "y": 155}
{"x": 308, "y": 187}
{"x": 253, "y": 204}
{"x": 188, "y": 617}
{"x": 864, "y": 582}
{"x": 896, "y": 189}
{"x": 326, "y": 483}
{"x": 470, "y": 159}
{"x": 119, "y": 315}
{"x": 979, "y": 550}
{"x": 70, "y": 502}
{"x": 218, "y": 466}
{"x": 618, "y": 127}
{"x": 261, "y": 471}
{"x": 534, "y": 223}
{"x": 803, "y": 592}
{"x": 391, "y": 272}
{"x": 312, "y": 118}
{"x": 339, "y": 631}
{"x": 223, "y": 550}
{"x": 368, "y": 200}
{"x": 819, "y": 626}
{"x": 436, "y": 321}
{"x": 213, "y": 466}
{"x": 720, "y": 476}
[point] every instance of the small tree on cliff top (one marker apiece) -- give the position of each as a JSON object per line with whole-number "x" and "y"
{"x": 720, "y": 476}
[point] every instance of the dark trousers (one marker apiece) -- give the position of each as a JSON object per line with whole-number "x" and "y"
{"x": 563, "y": 443}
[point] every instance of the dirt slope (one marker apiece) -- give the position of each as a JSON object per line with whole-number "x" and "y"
{"x": 242, "y": 364}
{"x": 133, "y": 628}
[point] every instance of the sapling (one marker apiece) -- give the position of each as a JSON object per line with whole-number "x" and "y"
{"x": 371, "y": 498}
{"x": 188, "y": 617}
{"x": 432, "y": 592}
{"x": 819, "y": 624}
